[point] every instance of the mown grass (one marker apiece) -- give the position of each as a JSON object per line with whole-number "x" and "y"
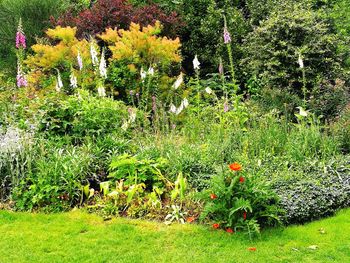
{"x": 80, "y": 237}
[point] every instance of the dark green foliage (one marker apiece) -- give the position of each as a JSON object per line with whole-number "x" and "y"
{"x": 202, "y": 34}
{"x": 273, "y": 48}
{"x": 329, "y": 98}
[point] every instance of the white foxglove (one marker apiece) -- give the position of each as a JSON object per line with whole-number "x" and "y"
{"x": 185, "y": 103}
{"x": 103, "y": 67}
{"x": 143, "y": 74}
{"x": 180, "y": 109}
{"x": 151, "y": 71}
{"x": 73, "y": 80}
{"x": 59, "y": 84}
{"x": 172, "y": 108}
{"x": 196, "y": 63}
{"x": 179, "y": 81}
{"x": 101, "y": 91}
{"x": 301, "y": 62}
{"x": 93, "y": 53}
{"x": 208, "y": 90}
{"x": 80, "y": 61}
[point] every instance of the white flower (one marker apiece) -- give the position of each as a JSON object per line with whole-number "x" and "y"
{"x": 80, "y": 61}
{"x": 208, "y": 90}
{"x": 103, "y": 67}
{"x": 151, "y": 71}
{"x": 302, "y": 112}
{"x": 196, "y": 63}
{"x": 101, "y": 91}
{"x": 73, "y": 80}
{"x": 93, "y": 54}
{"x": 132, "y": 115}
{"x": 59, "y": 84}
{"x": 185, "y": 103}
{"x": 172, "y": 108}
{"x": 143, "y": 74}
{"x": 180, "y": 109}
{"x": 179, "y": 81}
{"x": 301, "y": 62}
{"x": 125, "y": 126}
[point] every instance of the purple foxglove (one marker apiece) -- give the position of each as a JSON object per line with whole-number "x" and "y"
{"x": 21, "y": 80}
{"x": 20, "y": 37}
{"x": 227, "y": 36}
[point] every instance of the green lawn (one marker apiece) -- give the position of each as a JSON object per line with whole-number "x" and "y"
{"x": 80, "y": 237}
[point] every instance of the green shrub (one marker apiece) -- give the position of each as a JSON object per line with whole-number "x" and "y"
{"x": 82, "y": 115}
{"x": 341, "y": 130}
{"x": 272, "y": 50}
{"x": 55, "y": 182}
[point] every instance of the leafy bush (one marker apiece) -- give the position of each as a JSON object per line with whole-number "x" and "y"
{"x": 292, "y": 33}
{"x": 316, "y": 195}
{"x": 329, "y": 98}
{"x": 82, "y": 115}
{"x": 55, "y": 183}
{"x": 240, "y": 202}
{"x": 118, "y": 14}
{"x": 341, "y": 130}
{"x": 62, "y": 56}
{"x": 134, "y": 171}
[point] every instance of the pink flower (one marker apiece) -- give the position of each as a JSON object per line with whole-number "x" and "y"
{"x": 20, "y": 37}
{"x": 21, "y": 80}
{"x": 227, "y": 36}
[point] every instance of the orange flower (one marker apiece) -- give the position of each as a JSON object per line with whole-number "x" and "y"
{"x": 241, "y": 179}
{"x": 216, "y": 226}
{"x": 244, "y": 215}
{"x": 230, "y": 230}
{"x": 213, "y": 196}
{"x": 252, "y": 248}
{"x": 235, "y": 167}
{"x": 190, "y": 219}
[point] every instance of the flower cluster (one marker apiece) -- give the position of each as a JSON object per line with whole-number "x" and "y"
{"x": 20, "y": 37}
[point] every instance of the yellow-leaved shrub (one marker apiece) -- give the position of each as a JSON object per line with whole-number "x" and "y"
{"x": 61, "y": 55}
{"x": 141, "y": 46}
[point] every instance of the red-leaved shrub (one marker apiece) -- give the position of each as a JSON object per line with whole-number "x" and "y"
{"x": 118, "y": 13}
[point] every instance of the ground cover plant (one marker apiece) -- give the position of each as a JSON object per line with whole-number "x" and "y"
{"x": 237, "y": 119}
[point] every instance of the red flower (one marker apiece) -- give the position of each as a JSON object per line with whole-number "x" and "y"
{"x": 213, "y": 196}
{"x": 241, "y": 179}
{"x": 216, "y": 226}
{"x": 190, "y": 219}
{"x": 235, "y": 167}
{"x": 252, "y": 248}
{"x": 230, "y": 230}
{"x": 244, "y": 215}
